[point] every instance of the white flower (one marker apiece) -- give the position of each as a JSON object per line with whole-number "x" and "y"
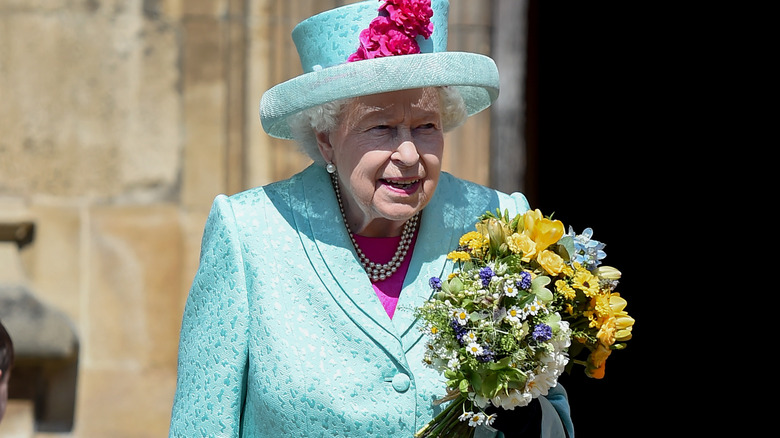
{"x": 561, "y": 339}
{"x": 465, "y": 416}
{"x": 480, "y": 400}
{"x": 471, "y": 336}
{"x": 461, "y": 316}
{"x": 533, "y": 308}
{"x": 490, "y": 419}
{"x": 476, "y": 419}
{"x": 537, "y": 385}
{"x": 474, "y": 348}
{"x": 453, "y": 364}
{"x": 514, "y": 314}
{"x": 510, "y": 289}
{"x": 515, "y": 398}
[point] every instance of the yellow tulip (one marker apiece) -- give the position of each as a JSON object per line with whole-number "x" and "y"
{"x": 608, "y": 273}
{"x": 547, "y": 232}
{"x": 623, "y": 322}
{"x": 530, "y": 217}
{"x": 542, "y": 230}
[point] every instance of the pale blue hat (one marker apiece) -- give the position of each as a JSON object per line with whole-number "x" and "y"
{"x": 325, "y": 42}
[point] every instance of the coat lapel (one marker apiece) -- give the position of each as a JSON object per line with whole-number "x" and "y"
{"x": 330, "y": 250}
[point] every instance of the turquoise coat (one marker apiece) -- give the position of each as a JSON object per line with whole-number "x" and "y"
{"x": 283, "y": 335}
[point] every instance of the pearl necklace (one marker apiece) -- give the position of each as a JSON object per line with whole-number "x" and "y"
{"x": 379, "y": 271}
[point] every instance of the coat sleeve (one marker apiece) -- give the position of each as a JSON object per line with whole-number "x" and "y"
{"x": 556, "y": 414}
{"x": 213, "y": 341}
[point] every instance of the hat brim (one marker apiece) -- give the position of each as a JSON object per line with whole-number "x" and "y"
{"x": 475, "y": 76}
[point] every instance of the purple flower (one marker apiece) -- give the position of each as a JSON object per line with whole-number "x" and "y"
{"x": 525, "y": 280}
{"x": 542, "y": 333}
{"x": 435, "y": 283}
{"x": 486, "y": 274}
{"x": 487, "y": 355}
{"x": 460, "y": 331}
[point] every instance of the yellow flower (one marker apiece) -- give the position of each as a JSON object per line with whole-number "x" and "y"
{"x": 586, "y": 282}
{"x": 467, "y": 238}
{"x": 606, "y": 334}
{"x": 551, "y": 262}
{"x": 623, "y": 323}
{"x": 522, "y": 244}
{"x": 542, "y": 230}
{"x": 613, "y": 321}
{"x": 475, "y": 241}
{"x": 459, "y": 256}
{"x": 608, "y": 273}
{"x": 597, "y": 361}
{"x": 566, "y": 290}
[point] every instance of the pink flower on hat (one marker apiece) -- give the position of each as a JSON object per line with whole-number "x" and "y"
{"x": 414, "y": 16}
{"x": 393, "y": 32}
{"x": 384, "y": 38}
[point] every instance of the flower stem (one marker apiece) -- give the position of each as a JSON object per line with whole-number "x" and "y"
{"x": 444, "y": 422}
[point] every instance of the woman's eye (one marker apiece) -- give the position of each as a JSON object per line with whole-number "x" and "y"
{"x": 427, "y": 126}
{"x": 381, "y": 128}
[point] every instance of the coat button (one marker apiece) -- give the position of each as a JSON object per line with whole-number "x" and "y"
{"x": 401, "y": 382}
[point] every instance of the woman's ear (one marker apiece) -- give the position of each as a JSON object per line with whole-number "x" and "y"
{"x": 324, "y": 145}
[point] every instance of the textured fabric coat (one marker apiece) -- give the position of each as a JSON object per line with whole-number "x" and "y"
{"x": 283, "y": 335}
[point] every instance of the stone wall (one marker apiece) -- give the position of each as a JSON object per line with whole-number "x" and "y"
{"x": 120, "y": 120}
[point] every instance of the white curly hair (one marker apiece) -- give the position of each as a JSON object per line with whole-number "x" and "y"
{"x": 324, "y": 118}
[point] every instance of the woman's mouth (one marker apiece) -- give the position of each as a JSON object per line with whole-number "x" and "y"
{"x": 405, "y": 186}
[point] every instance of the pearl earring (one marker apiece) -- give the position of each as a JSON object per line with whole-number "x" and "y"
{"x": 331, "y": 168}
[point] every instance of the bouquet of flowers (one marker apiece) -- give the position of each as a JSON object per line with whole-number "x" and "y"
{"x": 525, "y": 298}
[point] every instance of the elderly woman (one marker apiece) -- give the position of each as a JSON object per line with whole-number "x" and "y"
{"x": 300, "y": 321}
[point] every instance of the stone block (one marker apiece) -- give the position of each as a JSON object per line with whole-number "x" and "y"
{"x": 90, "y": 101}
{"x": 204, "y": 113}
{"x": 53, "y": 260}
{"x": 125, "y": 403}
{"x": 133, "y": 303}
{"x": 207, "y": 8}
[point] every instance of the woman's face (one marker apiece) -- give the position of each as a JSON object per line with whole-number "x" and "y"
{"x": 387, "y": 149}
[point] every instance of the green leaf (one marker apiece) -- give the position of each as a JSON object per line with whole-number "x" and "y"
{"x": 501, "y": 364}
{"x": 566, "y": 247}
{"x": 515, "y": 222}
{"x": 463, "y": 386}
{"x": 538, "y": 288}
{"x": 477, "y": 316}
{"x": 455, "y": 285}
{"x": 490, "y": 386}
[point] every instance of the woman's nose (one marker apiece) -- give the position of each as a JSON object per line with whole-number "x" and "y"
{"x": 406, "y": 152}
